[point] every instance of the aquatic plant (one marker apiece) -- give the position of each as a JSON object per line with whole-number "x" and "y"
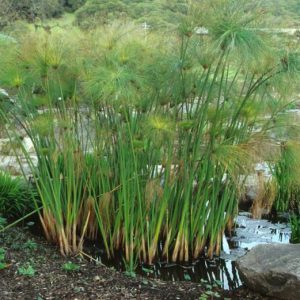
{"x": 295, "y": 225}
{"x": 141, "y": 142}
{"x": 286, "y": 175}
{"x": 265, "y": 196}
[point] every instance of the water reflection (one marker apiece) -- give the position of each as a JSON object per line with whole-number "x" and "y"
{"x": 202, "y": 270}
{"x": 251, "y": 232}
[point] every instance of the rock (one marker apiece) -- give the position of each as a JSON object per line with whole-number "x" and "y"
{"x": 4, "y": 93}
{"x": 28, "y": 145}
{"x": 11, "y": 165}
{"x": 5, "y": 96}
{"x": 201, "y": 30}
{"x": 273, "y": 270}
{"x": 10, "y": 158}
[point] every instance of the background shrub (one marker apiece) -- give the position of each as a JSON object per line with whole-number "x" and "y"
{"x": 12, "y": 10}
{"x": 153, "y": 12}
{"x": 15, "y": 196}
{"x": 72, "y": 5}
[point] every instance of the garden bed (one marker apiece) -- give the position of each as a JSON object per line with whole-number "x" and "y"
{"x": 51, "y": 280}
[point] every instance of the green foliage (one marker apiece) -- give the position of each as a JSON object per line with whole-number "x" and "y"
{"x": 141, "y": 139}
{"x": 295, "y": 225}
{"x": 3, "y": 222}
{"x": 30, "y": 245}
{"x": 27, "y": 270}
{"x": 155, "y": 13}
{"x": 70, "y": 267}
{"x": 72, "y": 5}
{"x": 35, "y": 10}
{"x": 2, "y": 254}
{"x": 44, "y": 72}
{"x": 3, "y": 265}
{"x": 287, "y": 176}
{"x": 282, "y": 13}
{"x": 15, "y": 196}
{"x": 210, "y": 293}
{"x": 12, "y": 10}
{"x": 161, "y": 13}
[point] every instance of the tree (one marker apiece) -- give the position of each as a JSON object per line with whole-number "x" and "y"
{"x": 6, "y": 13}
{"x": 72, "y": 5}
{"x": 12, "y": 10}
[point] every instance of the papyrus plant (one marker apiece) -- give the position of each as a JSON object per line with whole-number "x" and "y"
{"x": 147, "y": 152}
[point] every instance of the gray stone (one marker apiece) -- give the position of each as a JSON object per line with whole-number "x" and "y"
{"x": 273, "y": 270}
{"x": 10, "y": 158}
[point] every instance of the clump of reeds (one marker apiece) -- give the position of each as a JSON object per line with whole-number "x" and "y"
{"x": 295, "y": 225}
{"x": 141, "y": 141}
{"x": 265, "y": 196}
{"x": 286, "y": 174}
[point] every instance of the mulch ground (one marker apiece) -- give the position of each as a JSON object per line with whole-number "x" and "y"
{"x": 91, "y": 281}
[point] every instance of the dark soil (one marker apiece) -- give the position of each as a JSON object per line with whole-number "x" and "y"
{"x": 91, "y": 281}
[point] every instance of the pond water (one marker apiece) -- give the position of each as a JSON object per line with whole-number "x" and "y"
{"x": 248, "y": 233}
